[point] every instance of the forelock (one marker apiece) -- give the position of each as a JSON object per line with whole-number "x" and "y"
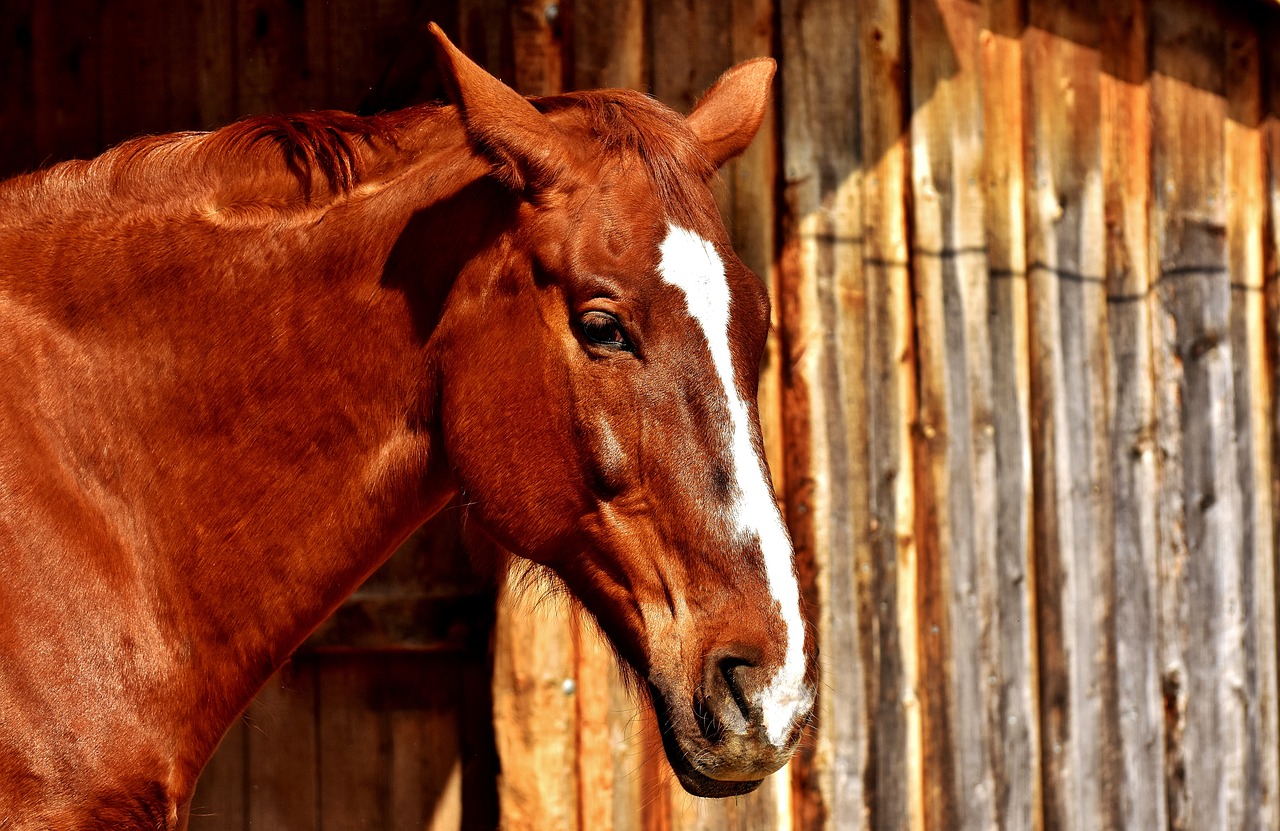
{"x": 628, "y": 123}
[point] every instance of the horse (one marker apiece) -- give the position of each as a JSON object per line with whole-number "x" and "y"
{"x": 239, "y": 367}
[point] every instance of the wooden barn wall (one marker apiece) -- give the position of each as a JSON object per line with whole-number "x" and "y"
{"x": 1019, "y": 405}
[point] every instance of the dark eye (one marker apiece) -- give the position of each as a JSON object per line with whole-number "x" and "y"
{"x": 603, "y": 329}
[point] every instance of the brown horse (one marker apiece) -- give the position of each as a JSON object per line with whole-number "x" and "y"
{"x": 238, "y": 368}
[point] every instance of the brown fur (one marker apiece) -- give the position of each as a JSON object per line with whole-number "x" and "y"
{"x": 237, "y": 368}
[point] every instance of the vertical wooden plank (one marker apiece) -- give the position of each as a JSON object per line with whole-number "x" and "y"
{"x": 351, "y": 747}
{"x": 220, "y": 799}
{"x": 484, "y": 33}
{"x": 598, "y": 746}
{"x": 691, "y": 43}
{"x": 1070, "y": 439}
{"x": 426, "y": 771}
{"x": 1015, "y": 754}
{"x": 609, "y": 44}
{"x": 821, "y": 288}
{"x": 17, "y": 99}
{"x": 885, "y": 625}
{"x": 214, "y": 48}
{"x": 538, "y": 47}
{"x": 955, "y": 436}
{"x": 419, "y": 697}
{"x": 1245, "y": 216}
{"x": 136, "y": 98}
{"x": 1202, "y": 603}
{"x": 535, "y": 711}
{"x": 282, "y": 748}
{"x": 1270, "y": 361}
{"x": 67, "y": 81}
{"x": 271, "y": 55}
{"x": 1126, "y": 174}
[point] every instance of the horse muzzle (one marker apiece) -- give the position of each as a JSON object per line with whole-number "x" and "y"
{"x": 734, "y": 730}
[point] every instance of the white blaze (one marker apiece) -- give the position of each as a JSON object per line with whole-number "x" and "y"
{"x": 691, "y": 263}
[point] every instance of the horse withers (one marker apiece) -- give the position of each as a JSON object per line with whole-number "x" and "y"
{"x": 238, "y": 368}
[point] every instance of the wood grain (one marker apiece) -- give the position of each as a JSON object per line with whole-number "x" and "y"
{"x": 221, "y": 797}
{"x": 1070, "y": 433}
{"x": 1244, "y": 179}
{"x": 1126, "y": 174}
{"x": 820, "y": 277}
{"x": 954, "y": 436}
{"x": 282, "y": 747}
{"x": 1201, "y": 549}
{"x": 884, "y": 634}
{"x": 18, "y": 96}
{"x": 1015, "y": 749}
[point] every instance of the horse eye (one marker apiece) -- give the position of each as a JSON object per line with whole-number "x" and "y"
{"x": 604, "y": 329}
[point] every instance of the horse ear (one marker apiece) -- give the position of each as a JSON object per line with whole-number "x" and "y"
{"x": 730, "y": 113}
{"x": 523, "y": 143}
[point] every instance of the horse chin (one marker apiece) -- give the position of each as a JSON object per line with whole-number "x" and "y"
{"x": 691, "y": 779}
{"x": 699, "y": 784}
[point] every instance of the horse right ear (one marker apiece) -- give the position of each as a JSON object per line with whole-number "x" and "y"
{"x": 526, "y": 148}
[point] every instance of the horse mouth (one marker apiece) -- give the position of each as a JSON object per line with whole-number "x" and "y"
{"x": 691, "y": 779}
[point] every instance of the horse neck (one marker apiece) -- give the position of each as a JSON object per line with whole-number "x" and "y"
{"x": 266, "y": 395}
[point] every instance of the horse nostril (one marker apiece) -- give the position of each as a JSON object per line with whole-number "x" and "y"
{"x": 727, "y": 701}
{"x": 734, "y": 671}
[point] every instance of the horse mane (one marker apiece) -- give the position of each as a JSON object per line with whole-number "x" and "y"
{"x": 326, "y": 141}
{"x": 307, "y": 160}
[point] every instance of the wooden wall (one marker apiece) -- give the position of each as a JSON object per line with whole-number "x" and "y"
{"x": 1020, "y": 404}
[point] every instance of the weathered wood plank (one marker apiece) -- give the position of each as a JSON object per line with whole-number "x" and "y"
{"x": 1126, "y": 174}
{"x": 271, "y": 56}
{"x": 884, "y": 631}
{"x": 597, "y": 750}
{"x": 66, "y": 71}
{"x": 352, "y": 771}
{"x": 955, "y": 462}
{"x": 1070, "y": 440}
{"x": 1015, "y": 754}
{"x": 535, "y": 711}
{"x": 214, "y": 49}
{"x": 282, "y": 750}
{"x": 1243, "y": 157}
{"x": 691, "y": 46}
{"x": 1200, "y": 556}
{"x": 1270, "y": 50}
{"x": 221, "y": 797}
{"x": 419, "y": 699}
{"x": 609, "y": 44}
{"x": 136, "y": 35}
{"x": 821, "y": 269}
{"x": 17, "y": 99}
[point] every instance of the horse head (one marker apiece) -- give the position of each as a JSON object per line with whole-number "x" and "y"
{"x": 598, "y": 372}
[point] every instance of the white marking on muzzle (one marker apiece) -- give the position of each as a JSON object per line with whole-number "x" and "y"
{"x": 691, "y": 263}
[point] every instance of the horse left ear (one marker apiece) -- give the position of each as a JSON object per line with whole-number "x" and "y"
{"x": 730, "y": 113}
{"x": 524, "y": 145}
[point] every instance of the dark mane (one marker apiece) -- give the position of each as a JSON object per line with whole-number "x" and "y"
{"x": 325, "y": 141}
{"x": 326, "y": 154}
